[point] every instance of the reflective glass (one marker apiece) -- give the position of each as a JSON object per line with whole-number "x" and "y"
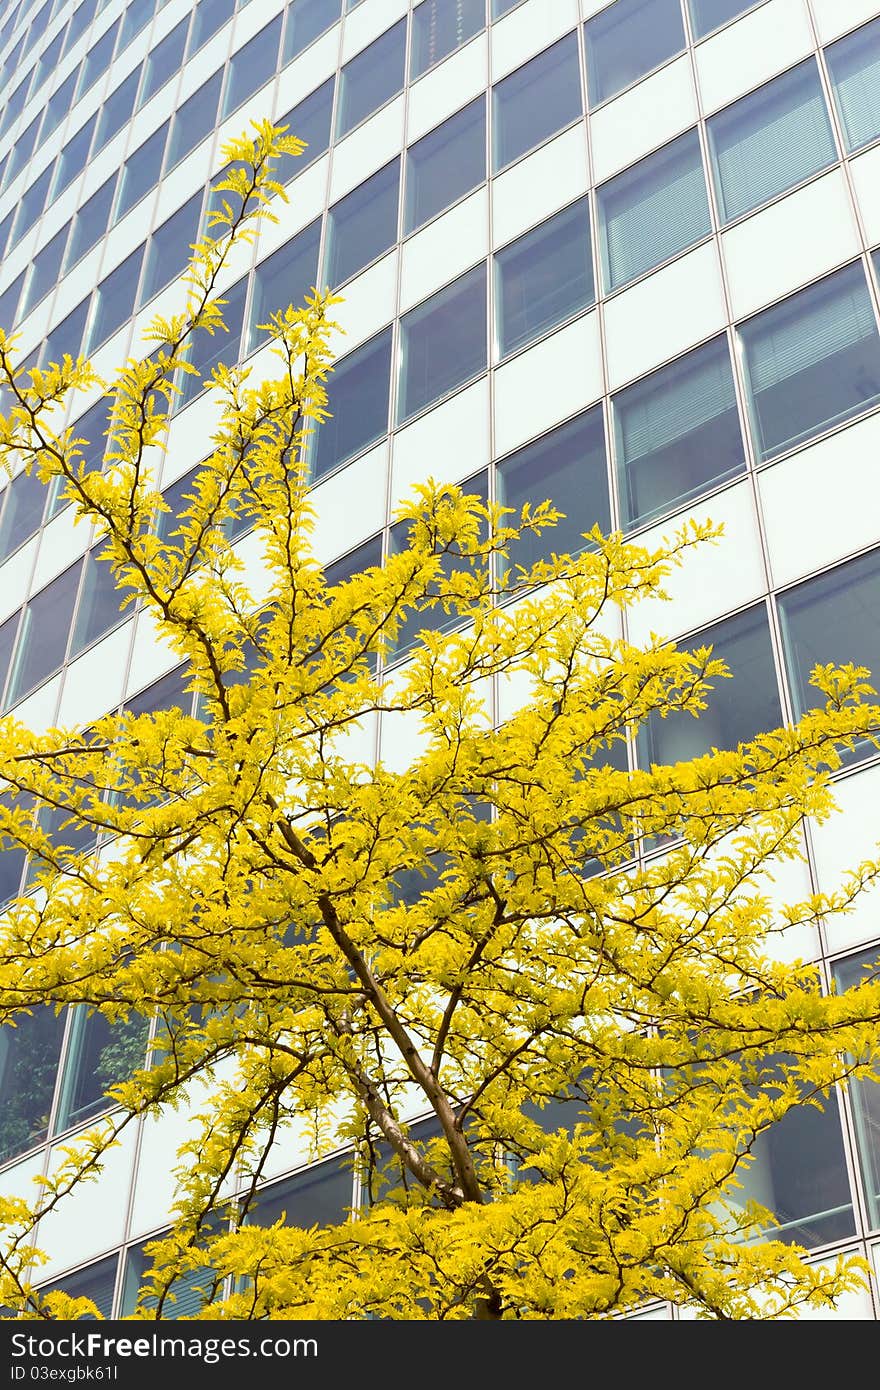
{"x": 371, "y": 78}
{"x": 29, "y": 1056}
{"x": 535, "y": 101}
{"x": 99, "y": 603}
{"x": 544, "y": 278}
{"x": 357, "y": 391}
{"x": 209, "y": 16}
{"x": 439, "y": 27}
{"x": 854, "y": 65}
{"x": 24, "y": 500}
{"x": 362, "y": 225}
{"x": 445, "y": 164}
{"x": 320, "y": 1196}
{"x": 98, "y": 1055}
{"x": 114, "y": 299}
{"x": 45, "y": 630}
{"x": 96, "y": 1282}
{"x": 306, "y": 21}
{"x": 443, "y": 343}
{"x": 140, "y": 172}
{"x": 72, "y": 159}
{"x": 707, "y": 15}
{"x": 164, "y": 61}
{"x": 627, "y": 40}
{"x": 117, "y": 109}
{"x": 207, "y": 351}
{"x": 97, "y": 60}
{"x": 251, "y": 66}
{"x": 864, "y": 1095}
{"x": 308, "y": 121}
{"x": 90, "y": 223}
{"x": 284, "y": 278}
{"x": 194, "y": 120}
{"x": 170, "y": 247}
{"x": 46, "y": 270}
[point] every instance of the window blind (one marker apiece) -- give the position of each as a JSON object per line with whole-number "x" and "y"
{"x": 854, "y": 64}
{"x": 652, "y": 211}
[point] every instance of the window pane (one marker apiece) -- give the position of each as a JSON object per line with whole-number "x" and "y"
{"x": 568, "y": 468}
{"x": 72, "y": 159}
{"x": 770, "y": 140}
{"x": 166, "y": 693}
{"x": 357, "y": 391}
{"x": 67, "y": 338}
{"x": 811, "y": 362}
{"x": 434, "y": 618}
{"x": 9, "y": 299}
{"x": 58, "y": 107}
{"x": 371, "y": 79}
{"x": 445, "y": 164}
{"x": 82, "y": 18}
{"x": 707, "y": 15}
{"x": 114, "y": 299}
{"x": 22, "y": 151}
{"x": 321, "y": 1196}
{"x": 97, "y": 60}
{"x": 99, "y": 1055}
{"x": 91, "y": 430}
{"x": 309, "y": 121}
{"x": 45, "y": 630}
{"x": 677, "y": 433}
{"x": 117, "y": 109}
{"x": 31, "y": 205}
{"x": 97, "y": 1283}
{"x": 207, "y": 351}
{"x": 653, "y": 210}
{"x": 186, "y": 1296}
{"x": 864, "y": 1095}
{"x": 738, "y": 707}
{"x": 136, "y": 17}
{"x": 306, "y": 19}
{"x": 544, "y": 277}
{"x": 24, "y": 500}
{"x": 443, "y": 343}
{"x": 171, "y": 248}
{"x": 209, "y": 18}
{"x": 284, "y": 278}
{"x": 28, "y": 1066}
{"x": 534, "y": 102}
{"x": 194, "y": 120}
{"x": 164, "y": 61}
{"x": 140, "y": 172}
{"x": 854, "y": 65}
{"x": 362, "y": 225}
{"x": 442, "y": 26}
{"x": 833, "y": 618}
{"x": 252, "y": 66}
{"x": 90, "y": 222}
{"x": 627, "y": 40}
{"x": 46, "y": 270}
{"x": 99, "y": 603}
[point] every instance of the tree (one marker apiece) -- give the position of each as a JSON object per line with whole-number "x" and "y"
{"x": 469, "y": 932}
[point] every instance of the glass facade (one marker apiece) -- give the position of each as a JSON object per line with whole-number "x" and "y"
{"x": 640, "y": 243}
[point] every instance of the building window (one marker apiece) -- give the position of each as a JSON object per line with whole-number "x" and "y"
{"x": 738, "y": 707}
{"x": 99, "y": 1055}
{"x": 770, "y": 140}
{"x": 90, "y": 223}
{"x": 45, "y": 270}
{"x": 627, "y": 40}
{"x": 443, "y": 343}
{"x": 170, "y": 248}
{"x": 114, "y": 299}
{"x": 445, "y": 164}
{"x": 864, "y": 1095}
{"x": 186, "y": 1296}
{"x": 140, "y": 173}
{"x": 97, "y": 60}
{"x": 308, "y": 121}
{"x": 707, "y": 15}
{"x": 31, "y": 204}
{"x": 854, "y": 65}
{"x": 834, "y": 618}
{"x": 9, "y": 314}
{"x": 362, "y": 225}
{"x": 371, "y": 79}
{"x": 500, "y": 7}
{"x": 163, "y": 62}
{"x": 72, "y": 159}
{"x": 306, "y": 21}
{"x": 357, "y": 391}
{"x": 653, "y": 211}
{"x": 117, "y": 109}
{"x": 208, "y": 350}
{"x": 537, "y": 100}
{"x": 567, "y": 467}
{"x": 319, "y": 1196}
{"x": 96, "y": 1282}
{"x": 284, "y": 278}
{"x": 544, "y": 277}
{"x": 29, "y": 1055}
{"x": 439, "y": 27}
{"x": 99, "y": 605}
{"x": 67, "y": 338}
{"x": 811, "y": 362}
{"x": 209, "y": 16}
{"x": 194, "y": 120}
{"x": 91, "y": 431}
{"x": 677, "y": 434}
{"x": 21, "y": 511}
{"x": 252, "y": 66}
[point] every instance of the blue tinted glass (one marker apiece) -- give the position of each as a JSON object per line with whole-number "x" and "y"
{"x": 568, "y": 468}
{"x": 544, "y": 277}
{"x": 9, "y": 301}
{"x": 443, "y": 343}
{"x": 136, "y": 17}
{"x": 97, "y": 1283}
{"x": 534, "y": 102}
{"x": 97, "y": 60}
{"x": 284, "y": 278}
{"x": 8, "y": 870}
{"x": 140, "y": 172}
{"x": 164, "y": 61}
{"x": 194, "y": 120}
{"x": 371, "y": 79}
{"x": 442, "y": 26}
{"x": 171, "y": 248}
{"x": 834, "y": 618}
{"x": 114, "y": 299}
{"x": 811, "y": 362}
{"x": 46, "y": 269}
{"x": 319, "y": 1196}
{"x": 500, "y": 7}
{"x": 98, "y": 609}
{"x": 117, "y": 108}
{"x": 72, "y": 159}
{"x": 208, "y": 18}
{"x": 31, "y": 205}
{"x": 707, "y": 15}
{"x": 22, "y": 150}
{"x": 67, "y": 339}
{"x": 652, "y": 211}
{"x": 770, "y": 140}
{"x": 362, "y": 225}
{"x": 854, "y": 65}
{"x": 28, "y": 1068}
{"x": 306, "y": 19}
{"x": 445, "y": 164}
{"x": 207, "y": 351}
{"x": 677, "y": 433}
{"x": 628, "y": 39}
{"x": 357, "y": 391}
{"x": 90, "y": 222}
{"x": 59, "y": 105}
{"x": 864, "y": 1095}
{"x": 24, "y": 501}
{"x": 44, "y": 634}
{"x": 82, "y": 18}
{"x": 308, "y": 121}
{"x": 738, "y": 707}
{"x": 252, "y": 66}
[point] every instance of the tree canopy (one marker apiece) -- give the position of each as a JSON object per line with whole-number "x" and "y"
{"x": 567, "y": 966}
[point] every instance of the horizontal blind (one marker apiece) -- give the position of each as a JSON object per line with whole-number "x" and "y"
{"x": 771, "y": 141}
{"x": 854, "y": 64}
{"x": 653, "y": 211}
{"x": 813, "y": 328}
{"x": 676, "y": 405}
